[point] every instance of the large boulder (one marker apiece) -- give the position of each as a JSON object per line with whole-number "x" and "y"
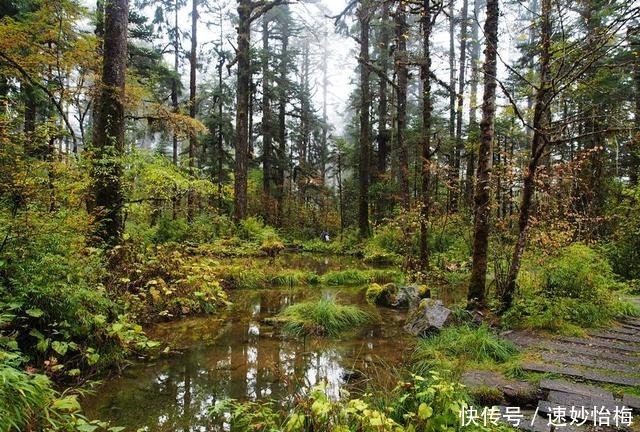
{"x": 429, "y": 317}
{"x": 395, "y": 296}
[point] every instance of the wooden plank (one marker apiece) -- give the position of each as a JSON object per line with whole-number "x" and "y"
{"x": 634, "y": 329}
{"x": 599, "y": 363}
{"x": 575, "y": 388}
{"x": 588, "y": 402}
{"x": 539, "y": 424}
{"x": 549, "y": 407}
{"x": 527, "y": 422}
{"x": 589, "y": 351}
{"x": 615, "y": 336}
{"x": 604, "y": 343}
{"x": 632, "y": 321}
{"x": 624, "y": 330}
{"x": 590, "y": 375}
{"x": 631, "y": 401}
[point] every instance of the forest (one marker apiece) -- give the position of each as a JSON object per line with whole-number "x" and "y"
{"x": 318, "y": 215}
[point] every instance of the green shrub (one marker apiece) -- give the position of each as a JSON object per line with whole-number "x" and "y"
{"x": 577, "y": 272}
{"x": 56, "y": 304}
{"x": 321, "y": 317}
{"x": 164, "y": 282}
{"x": 623, "y": 244}
{"x": 568, "y": 291}
{"x": 28, "y": 402}
{"x": 170, "y": 230}
{"x": 253, "y": 229}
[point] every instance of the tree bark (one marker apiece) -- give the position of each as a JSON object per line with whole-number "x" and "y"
{"x": 110, "y": 126}
{"x": 401, "y": 71}
{"x": 193, "y": 139}
{"x": 282, "y": 113}
{"x": 242, "y": 110}
{"x": 383, "y": 117}
{"x": 323, "y": 153}
{"x": 365, "y": 133}
{"x": 175, "y": 81}
{"x": 460, "y": 97}
{"x": 541, "y": 118}
{"x": 477, "y": 285}
{"x": 266, "y": 112}
{"x": 472, "y": 135}
{"x": 454, "y": 162}
{"x": 425, "y": 75}
{"x": 634, "y": 169}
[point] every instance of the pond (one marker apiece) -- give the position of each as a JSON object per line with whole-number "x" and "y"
{"x": 235, "y": 354}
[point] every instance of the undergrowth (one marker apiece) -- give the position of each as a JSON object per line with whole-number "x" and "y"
{"x": 427, "y": 404}
{"x": 573, "y": 289}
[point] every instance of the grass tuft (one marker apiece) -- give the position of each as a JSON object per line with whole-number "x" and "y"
{"x": 294, "y": 278}
{"x": 362, "y": 277}
{"x": 321, "y": 317}
{"x": 463, "y": 343}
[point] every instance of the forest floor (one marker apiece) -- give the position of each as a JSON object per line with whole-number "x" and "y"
{"x": 601, "y": 369}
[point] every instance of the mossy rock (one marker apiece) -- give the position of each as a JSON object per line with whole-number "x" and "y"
{"x": 382, "y": 295}
{"x": 395, "y": 296}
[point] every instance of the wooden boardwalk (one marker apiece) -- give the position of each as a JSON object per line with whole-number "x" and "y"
{"x": 580, "y": 372}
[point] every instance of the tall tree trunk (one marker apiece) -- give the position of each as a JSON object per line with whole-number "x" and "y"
{"x": 402, "y": 73}
{"x": 266, "y": 112}
{"x": 325, "y": 120}
{"x": 242, "y": 110}
{"x": 95, "y": 103}
{"x": 193, "y": 139}
{"x": 364, "y": 15}
{"x": 477, "y": 284}
{"x": 110, "y": 126}
{"x": 634, "y": 169}
{"x": 473, "y": 104}
{"x": 282, "y": 113}
{"x": 305, "y": 109}
{"x": 174, "y": 102}
{"x": 454, "y": 162}
{"x": 220, "y": 137}
{"x": 533, "y": 16}
{"x": 383, "y": 116}
{"x": 175, "y": 80}
{"x": 461, "y": 84}
{"x": 541, "y": 118}
{"x": 425, "y": 75}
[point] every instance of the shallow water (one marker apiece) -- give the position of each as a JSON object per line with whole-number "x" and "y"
{"x": 236, "y": 355}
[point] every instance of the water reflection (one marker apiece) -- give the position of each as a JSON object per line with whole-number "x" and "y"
{"x": 238, "y": 356}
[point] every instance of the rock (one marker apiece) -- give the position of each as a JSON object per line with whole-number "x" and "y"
{"x": 349, "y": 375}
{"x": 409, "y": 296}
{"x": 429, "y": 317}
{"x": 394, "y": 296}
{"x": 483, "y": 384}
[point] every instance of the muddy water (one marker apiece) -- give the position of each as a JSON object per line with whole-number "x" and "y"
{"x": 236, "y": 355}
